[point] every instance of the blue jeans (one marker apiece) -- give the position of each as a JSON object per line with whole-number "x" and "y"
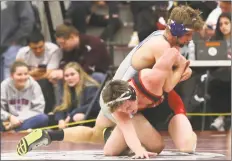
{"x": 37, "y": 121}
{"x": 7, "y": 59}
{"x": 99, "y": 77}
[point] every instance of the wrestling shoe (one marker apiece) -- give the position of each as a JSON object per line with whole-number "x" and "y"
{"x": 33, "y": 140}
{"x": 218, "y": 124}
{"x": 107, "y": 132}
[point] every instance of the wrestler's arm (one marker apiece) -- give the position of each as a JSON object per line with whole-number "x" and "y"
{"x": 175, "y": 76}
{"x": 175, "y": 102}
{"x": 164, "y": 67}
{"x": 126, "y": 126}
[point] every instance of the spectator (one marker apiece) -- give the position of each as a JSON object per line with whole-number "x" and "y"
{"x": 81, "y": 15}
{"x": 89, "y": 51}
{"x": 223, "y": 30}
{"x": 79, "y": 91}
{"x": 41, "y": 56}
{"x": 146, "y": 18}
{"x": 22, "y": 101}
{"x": 205, "y": 7}
{"x": 17, "y": 22}
{"x": 220, "y": 85}
{"x": 210, "y": 24}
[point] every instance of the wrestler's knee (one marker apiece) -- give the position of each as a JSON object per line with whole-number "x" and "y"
{"x": 109, "y": 151}
{"x": 188, "y": 144}
{"x": 157, "y": 147}
{"x": 97, "y": 134}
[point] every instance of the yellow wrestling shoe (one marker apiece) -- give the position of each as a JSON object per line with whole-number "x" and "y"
{"x": 33, "y": 140}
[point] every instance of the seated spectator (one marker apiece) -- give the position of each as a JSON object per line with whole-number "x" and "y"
{"x": 147, "y": 17}
{"x": 79, "y": 91}
{"x": 223, "y": 30}
{"x": 40, "y": 56}
{"x": 81, "y": 15}
{"x": 89, "y": 51}
{"x": 220, "y": 86}
{"x": 210, "y": 24}
{"x": 22, "y": 101}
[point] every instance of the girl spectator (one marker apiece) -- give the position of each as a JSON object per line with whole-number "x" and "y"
{"x": 223, "y": 30}
{"x": 220, "y": 86}
{"x": 79, "y": 90}
{"x": 22, "y": 101}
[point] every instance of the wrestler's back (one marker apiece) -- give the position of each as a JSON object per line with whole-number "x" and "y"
{"x": 154, "y": 48}
{"x": 142, "y": 56}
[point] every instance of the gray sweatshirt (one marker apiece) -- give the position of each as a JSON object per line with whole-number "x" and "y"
{"x": 23, "y": 104}
{"x": 17, "y": 22}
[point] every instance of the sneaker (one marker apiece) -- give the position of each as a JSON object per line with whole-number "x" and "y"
{"x": 134, "y": 40}
{"x": 107, "y": 132}
{"x": 218, "y": 124}
{"x": 33, "y": 140}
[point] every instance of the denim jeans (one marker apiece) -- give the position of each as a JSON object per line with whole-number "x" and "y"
{"x": 7, "y": 59}
{"x": 37, "y": 121}
{"x": 99, "y": 77}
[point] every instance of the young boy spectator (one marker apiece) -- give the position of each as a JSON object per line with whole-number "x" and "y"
{"x": 40, "y": 56}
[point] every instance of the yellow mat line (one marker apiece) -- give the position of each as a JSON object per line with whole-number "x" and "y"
{"x": 93, "y": 120}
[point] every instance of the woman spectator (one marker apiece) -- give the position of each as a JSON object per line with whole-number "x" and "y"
{"x": 22, "y": 101}
{"x": 220, "y": 86}
{"x": 223, "y": 30}
{"x": 79, "y": 90}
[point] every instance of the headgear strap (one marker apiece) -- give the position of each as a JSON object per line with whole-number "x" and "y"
{"x": 130, "y": 94}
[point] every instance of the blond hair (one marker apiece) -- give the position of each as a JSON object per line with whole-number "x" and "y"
{"x": 187, "y": 16}
{"x": 85, "y": 80}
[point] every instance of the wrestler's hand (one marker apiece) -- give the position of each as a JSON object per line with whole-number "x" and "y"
{"x": 55, "y": 75}
{"x": 186, "y": 75}
{"x": 142, "y": 153}
{"x": 183, "y": 61}
{"x": 187, "y": 72}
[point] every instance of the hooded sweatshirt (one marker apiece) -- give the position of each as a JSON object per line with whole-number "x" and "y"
{"x": 23, "y": 104}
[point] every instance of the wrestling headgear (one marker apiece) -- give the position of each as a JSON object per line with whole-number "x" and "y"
{"x": 178, "y": 29}
{"x": 130, "y": 94}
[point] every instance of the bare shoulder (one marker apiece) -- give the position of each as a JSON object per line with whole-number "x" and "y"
{"x": 158, "y": 45}
{"x": 149, "y": 52}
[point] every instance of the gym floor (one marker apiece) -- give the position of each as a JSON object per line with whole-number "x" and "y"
{"x": 211, "y": 146}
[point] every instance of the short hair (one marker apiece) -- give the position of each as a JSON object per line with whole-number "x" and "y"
{"x": 16, "y": 64}
{"x": 65, "y": 31}
{"x": 35, "y": 37}
{"x": 113, "y": 90}
{"x": 187, "y": 16}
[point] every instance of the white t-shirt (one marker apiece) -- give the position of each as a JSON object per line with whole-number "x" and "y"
{"x": 51, "y": 57}
{"x": 213, "y": 17}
